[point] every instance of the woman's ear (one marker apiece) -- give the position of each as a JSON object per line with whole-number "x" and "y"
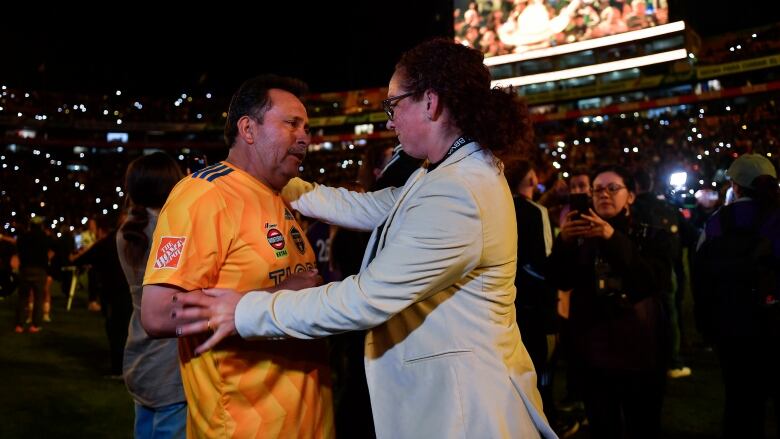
{"x": 433, "y": 107}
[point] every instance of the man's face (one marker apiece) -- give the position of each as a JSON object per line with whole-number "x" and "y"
{"x": 281, "y": 140}
{"x": 579, "y": 184}
{"x": 528, "y": 184}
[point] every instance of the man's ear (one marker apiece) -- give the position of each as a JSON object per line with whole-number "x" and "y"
{"x": 246, "y": 129}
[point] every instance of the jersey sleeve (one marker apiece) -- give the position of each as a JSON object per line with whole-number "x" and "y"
{"x": 192, "y": 238}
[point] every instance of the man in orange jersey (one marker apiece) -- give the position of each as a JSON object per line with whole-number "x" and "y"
{"x": 226, "y": 226}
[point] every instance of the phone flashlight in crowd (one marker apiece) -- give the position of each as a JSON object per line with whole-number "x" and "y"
{"x": 678, "y": 179}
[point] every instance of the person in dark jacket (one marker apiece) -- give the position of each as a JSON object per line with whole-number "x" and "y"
{"x": 667, "y": 224}
{"x": 737, "y": 292}
{"x": 113, "y": 291}
{"x": 613, "y": 268}
{"x": 536, "y": 298}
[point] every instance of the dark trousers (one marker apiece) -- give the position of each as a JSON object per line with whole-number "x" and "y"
{"x": 623, "y": 404}
{"x": 31, "y": 278}
{"x": 751, "y": 376}
{"x": 353, "y": 415}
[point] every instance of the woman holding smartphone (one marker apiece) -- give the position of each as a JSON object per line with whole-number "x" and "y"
{"x": 612, "y": 266}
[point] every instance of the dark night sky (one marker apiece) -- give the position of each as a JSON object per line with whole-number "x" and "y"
{"x": 332, "y": 45}
{"x": 336, "y": 45}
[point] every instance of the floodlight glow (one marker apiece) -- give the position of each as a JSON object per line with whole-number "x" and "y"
{"x": 595, "y": 69}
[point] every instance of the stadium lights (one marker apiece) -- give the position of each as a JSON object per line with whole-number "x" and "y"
{"x": 588, "y": 44}
{"x": 595, "y": 69}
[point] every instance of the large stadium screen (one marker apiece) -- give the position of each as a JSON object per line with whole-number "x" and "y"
{"x": 501, "y": 27}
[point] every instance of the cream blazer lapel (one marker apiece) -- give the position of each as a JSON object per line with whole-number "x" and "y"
{"x": 410, "y": 183}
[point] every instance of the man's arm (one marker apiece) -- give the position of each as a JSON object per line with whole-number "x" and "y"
{"x": 157, "y": 310}
{"x": 338, "y": 206}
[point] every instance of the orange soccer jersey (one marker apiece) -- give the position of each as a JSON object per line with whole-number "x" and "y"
{"x": 222, "y": 228}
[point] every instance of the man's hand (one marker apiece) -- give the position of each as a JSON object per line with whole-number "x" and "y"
{"x": 214, "y": 309}
{"x": 299, "y": 281}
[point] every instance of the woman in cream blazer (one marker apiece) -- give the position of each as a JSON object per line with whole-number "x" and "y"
{"x": 444, "y": 357}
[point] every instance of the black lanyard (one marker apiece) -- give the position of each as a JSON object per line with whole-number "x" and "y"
{"x": 456, "y": 145}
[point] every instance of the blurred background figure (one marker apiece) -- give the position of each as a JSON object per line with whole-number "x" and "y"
{"x": 666, "y": 224}
{"x": 150, "y": 366}
{"x": 536, "y": 298}
{"x": 737, "y": 288}
{"x": 34, "y": 246}
{"x": 85, "y": 241}
{"x": 109, "y": 284}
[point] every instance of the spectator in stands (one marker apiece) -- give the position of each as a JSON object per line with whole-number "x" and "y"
{"x": 150, "y": 367}
{"x": 444, "y": 356}
{"x": 612, "y": 267}
{"x": 611, "y": 23}
{"x": 638, "y": 18}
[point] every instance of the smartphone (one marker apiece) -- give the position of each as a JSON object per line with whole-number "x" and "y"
{"x": 579, "y": 203}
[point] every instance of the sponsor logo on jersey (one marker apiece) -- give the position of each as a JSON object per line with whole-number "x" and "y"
{"x": 169, "y": 251}
{"x": 276, "y": 239}
{"x": 297, "y": 238}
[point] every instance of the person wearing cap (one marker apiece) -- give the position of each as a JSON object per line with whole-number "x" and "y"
{"x": 735, "y": 272}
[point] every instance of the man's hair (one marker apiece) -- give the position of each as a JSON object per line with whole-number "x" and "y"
{"x": 251, "y": 99}
{"x": 517, "y": 172}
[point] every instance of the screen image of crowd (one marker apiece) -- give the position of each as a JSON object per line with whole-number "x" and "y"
{"x": 502, "y": 27}
{"x": 63, "y": 172}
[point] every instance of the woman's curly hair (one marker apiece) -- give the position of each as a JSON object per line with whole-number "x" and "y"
{"x": 496, "y": 118}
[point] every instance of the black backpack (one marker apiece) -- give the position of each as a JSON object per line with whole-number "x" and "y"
{"x": 737, "y": 281}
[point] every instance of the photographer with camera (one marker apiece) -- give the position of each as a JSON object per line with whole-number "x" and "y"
{"x": 613, "y": 267}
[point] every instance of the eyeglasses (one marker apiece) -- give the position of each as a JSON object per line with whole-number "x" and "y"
{"x": 389, "y": 106}
{"x": 611, "y": 188}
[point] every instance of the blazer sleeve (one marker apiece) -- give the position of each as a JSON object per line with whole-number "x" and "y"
{"x": 438, "y": 243}
{"x": 353, "y": 210}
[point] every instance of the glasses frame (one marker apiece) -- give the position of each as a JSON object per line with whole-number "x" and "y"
{"x": 389, "y": 106}
{"x": 609, "y": 189}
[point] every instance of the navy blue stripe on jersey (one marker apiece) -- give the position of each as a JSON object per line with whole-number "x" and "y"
{"x": 199, "y": 173}
{"x": 212, "y": 171}
{"x": 220, "y": 174}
